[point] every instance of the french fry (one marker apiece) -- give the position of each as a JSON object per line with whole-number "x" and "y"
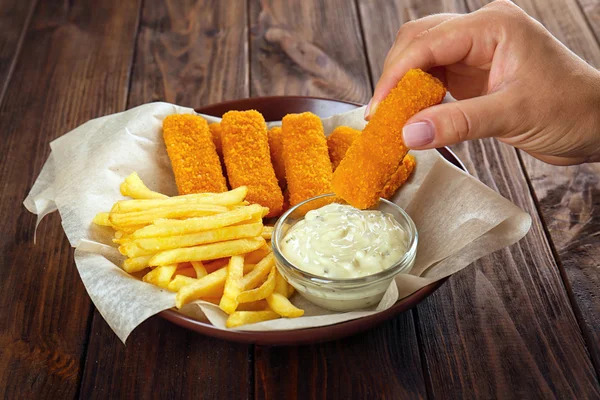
{"x": 171, "y": 227}
{"x": 259, "y": 254}
{"x": 180, "y": 281}
{"x": 199, "y": 269}
{"x": 259, "y": 272}
{"x": 280, "y": 284}
{"x": 291, "y": 291}
{"x": 102, "y": 219}
{"x": 267, "y": 231}
{"x": 240, "y": 318}
{"x": 160, "y": 276}
{"x": 208, "y": 251}
{"x": 151, "y": 215}
{"x": 230, "y": 198}
{"x": 282, "y": 306}
{"x": 233, "y": 284}
{"x": 133, "y": 187}
{"x": 261, "y": 292}
{"x": 137, "y": 264}
{"x": 204, "y": 287}
{"x": 139, "y": 247}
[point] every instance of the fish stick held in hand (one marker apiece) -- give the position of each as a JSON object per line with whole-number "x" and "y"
{"x": 247, "y": 159}
{"x": 194, "y": 160}
{"x": 379, "y": 150}
{"x": 307, "y": 166}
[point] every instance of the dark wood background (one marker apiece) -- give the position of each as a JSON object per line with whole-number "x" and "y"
{"x": 523, "y": 322}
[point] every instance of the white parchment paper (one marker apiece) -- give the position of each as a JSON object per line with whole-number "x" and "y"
{"x": 458, "y": 218}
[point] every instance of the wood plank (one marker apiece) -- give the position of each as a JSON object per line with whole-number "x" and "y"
{"x": 57, "y": 84}
{"x": 503, "y": 326}
{"x": 15, "y": 16}
{"x": 591, "y": 10}
{"x": 164, "y": 361}
{"x": 375, "y": 364}
{"x": 567, "y": 197}
{"x": 179, "y": 58}
{"x": 191, "y": 54}
{"x": 292, "y": 53}
{"x": 307, "y": 48}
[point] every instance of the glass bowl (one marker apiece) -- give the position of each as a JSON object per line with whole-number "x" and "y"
{"x": 342, "y": 294}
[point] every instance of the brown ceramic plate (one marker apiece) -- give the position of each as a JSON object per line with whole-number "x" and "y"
{"x": 274, "y": 109}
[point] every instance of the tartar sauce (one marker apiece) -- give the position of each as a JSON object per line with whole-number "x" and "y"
{"x": 342, "y": 242}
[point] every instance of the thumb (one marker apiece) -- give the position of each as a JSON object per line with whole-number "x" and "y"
{"x": 458, "y": 121}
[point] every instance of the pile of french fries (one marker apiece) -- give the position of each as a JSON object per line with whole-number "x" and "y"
{"x": 208, "y": 246}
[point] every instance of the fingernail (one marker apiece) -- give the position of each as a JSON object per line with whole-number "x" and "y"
{"x": 418, "y": 134}
{"x": 368, "y": 109}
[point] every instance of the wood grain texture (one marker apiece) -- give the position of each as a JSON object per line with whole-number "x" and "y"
{"x": 15, "y": 16}
{"x": 315, "y": 48}
{"x": 509, "y": 312}
{"x": 164, "y": 361}
{"x": 568, "y": 197}
{"x": 373, "y": 365}
{"x": 191, "y": 53}
{"x": 307, "y": 48}
{"x": 177, "y": 61}
{"x": 591, "y": 10}
{"x": 58, "y": 83}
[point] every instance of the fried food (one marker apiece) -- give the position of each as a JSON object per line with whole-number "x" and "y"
{"x": 193, "y": 155}
{"x": 379, "y": 150}
{"x": 338, "y": 143}
{"x": 135, "y": 188}
{"x": 215, "y": 132}
{"x": 248, "y": 160}
{"x": 307, "y": 166}
{"x": 239, "y": 318}
{"x": 276, "y": 150}
{"x": 171, "y": 227}
{"x": 230, "y": 198}
{"x": 207, "y": 251}
{"x": 399, "y": 177}
{"x": 145, "y": 246}
{"x": 233, "y": 284}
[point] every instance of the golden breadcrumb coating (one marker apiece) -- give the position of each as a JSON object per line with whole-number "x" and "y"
{"x": 307, "y": 166}
{"x": 376, "y": 154}
{"x": 215, "y": 131}
{"x": 399, "y": 177}
{"x": 195, "y": 162}
{"x": 247, "y": 158}
{"x": 276, "y": 148}
{"x": 338, "y": 143}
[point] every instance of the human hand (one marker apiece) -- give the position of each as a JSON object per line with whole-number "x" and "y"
{"x": 513, "y": 80}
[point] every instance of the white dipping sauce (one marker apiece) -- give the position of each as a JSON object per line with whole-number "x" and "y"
{"x": 342, "y": 242}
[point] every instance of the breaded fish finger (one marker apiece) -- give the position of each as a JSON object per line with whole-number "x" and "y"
{"x": 379, "y": 150}
{"x": 247, "y": 158}
{"x": 338, "y": 143}
{"x": 276, "y": 149}
{"x": 307, "y": 166}
{"x": 399, "y": 177}
{"x": 215, "y": 131}
{"x": 194, "y": 160}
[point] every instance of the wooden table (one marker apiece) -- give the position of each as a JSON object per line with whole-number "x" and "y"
{"x": 523, "y": 322}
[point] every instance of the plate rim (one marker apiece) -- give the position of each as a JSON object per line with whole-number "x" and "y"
{"x": 313, "y": 334}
